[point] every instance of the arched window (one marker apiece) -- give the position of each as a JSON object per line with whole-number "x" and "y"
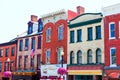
{"x": 60, "y": 32}
{"x": 72, "y": 57}
{"x": 89, "y": 56}
{"x": 79, "y": 57}
{"x": 98, "y": 55}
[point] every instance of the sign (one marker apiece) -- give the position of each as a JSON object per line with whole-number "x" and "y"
{"x": 51, "y": 70}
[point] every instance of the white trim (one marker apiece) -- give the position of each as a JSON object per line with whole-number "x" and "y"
{"x": 112, "y": 65}
{"x": 110, "y": 31}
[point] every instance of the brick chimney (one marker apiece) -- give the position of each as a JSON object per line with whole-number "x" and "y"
{"x": 34, "y": 18}
{"x": 80, "y": 10}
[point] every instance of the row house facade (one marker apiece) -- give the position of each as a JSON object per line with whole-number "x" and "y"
{"x": 7, "y": 57}
{"x": 112, "y": 41}
{"x": 29, "y": 50}
{"x": 54, "y": 51}
{"x": 86, "y": 47}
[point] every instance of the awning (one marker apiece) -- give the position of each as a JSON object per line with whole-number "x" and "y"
{"x": 114, "y": 75}
{"x": 84, "y": 72}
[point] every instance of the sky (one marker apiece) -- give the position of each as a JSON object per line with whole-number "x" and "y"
{"x": 15, "y": 14}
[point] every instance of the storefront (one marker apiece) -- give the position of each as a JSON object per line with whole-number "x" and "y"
{"x": 51, "y": 71}
{"x": 24, "y": 76}
{"x": 89, "y": 72}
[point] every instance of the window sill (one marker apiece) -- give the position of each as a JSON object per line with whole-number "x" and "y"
{"x": 98, "y": 38}
{"x": 90, "y": 40}
{"x": 79, "y": 41}
{"x": 71, "y": 42}
{"x": 114, "y": 65}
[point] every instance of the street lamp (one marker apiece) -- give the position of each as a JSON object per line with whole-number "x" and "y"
{"x": 8, "y": 60}
{"x": 62, "y": 54}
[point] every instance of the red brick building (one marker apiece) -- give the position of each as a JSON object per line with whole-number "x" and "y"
{"x": 112, "y": 40}
{"x": 7, "y": 57}
{"x": 55, "y": 38}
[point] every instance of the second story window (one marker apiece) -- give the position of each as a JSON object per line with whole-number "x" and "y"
{"x": 25, "y": 62}
{"x": 112, "y": 30}
{"x": 72, "y": 57}
{"x": 0, "y": 66}
{"x": 89, "y": 56}
{"x": 98, "y": 32}
{"x": 79, "y": 35}
{"x": 48, "y": 35}
{"x": 13, "y": 51}
{"x": 39, "y": 42}
{"x": 26, "y": 44}
{"x": 6, "y": 54}
{"x": 33, "y": 43}
{"x": 79, "y": 57}
{"x": 71, "y": 36}
{"x": 113, "y": 56}
{"x": 90, "y": 33}
{"x": 98, "y": 56}
{"x": 59, "y": 58}
{"x": 1, "y": 52}
{"x": 48, "y": 56}
{"x": 21, "y": 45}
{"x": 60, "y": 32}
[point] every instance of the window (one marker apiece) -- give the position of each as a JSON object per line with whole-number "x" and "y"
{"x": 72, "y": 57}
{"x": 113, "y": 56}
{"x": 0, "y": 66}
{"x": 71, "y": 36}
{"x": 39, "y": 42}
{"x": 98, "y": 56}
{"x": 112, "y": 30}
{"x": 79, "y": 57}
{"x": 25, "y": 62}
{"x": 90, "y": 34}
{"x": 48, "y": 56}
{"x": 98, "y": 32}
{"x": 89, "y": 56}
{"x": 13, "y": 51}
{"x": 60, "y": 32}
{"x": 32, "y": 62}
{"x": 1, "y": 52}
{"x": 48, "y": 35}
{"x": 26, "y": 44}
{"x": 11, "y": 65}
{"x": 6, "y": 54}
{"x": 21, "y": 45}
{"x": 38, "y": 61}
{"x": 79, "y": 35}
{"x": 59, "y": 58}
{"x": 40, "y": 25}
{"x": 33, "y": 43}
{"x": 30, "y": 29}
{"x": 5, "y": 66}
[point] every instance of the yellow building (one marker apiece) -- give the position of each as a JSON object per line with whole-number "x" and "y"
{"x": 86, "y": 47}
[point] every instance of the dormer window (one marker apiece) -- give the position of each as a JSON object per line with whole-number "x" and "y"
{"x": 40, "y": 25}
{"x": 30, "y": 27}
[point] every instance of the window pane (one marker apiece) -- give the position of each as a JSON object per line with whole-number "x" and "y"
{"x": 60, "y": 32}
{"x": 98, "y": 32}
{"x": 21, "y": 45}
{"x": 113, "y": 56}
{"x": 48, "y": 35}
{"x": 13, "y": 51}
{"x": 90, "y": 35}
{"x": 33, "y": 43}
{"x": 79, "y": 35}
{"x": 39, "y": 42}
{"x": 48, "y": 57}
{"x": 79, "y": 57}
{"x": 71, "y": 36}
{"x": 6, "y": 52}
{"x": 89, "y": 56}
{"x": 112, "y": 30}
{"x": 98, "y": 56}
{"x": 26, "y": 44}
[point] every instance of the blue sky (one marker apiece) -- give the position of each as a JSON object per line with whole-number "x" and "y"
{"x": 14, "y": 14}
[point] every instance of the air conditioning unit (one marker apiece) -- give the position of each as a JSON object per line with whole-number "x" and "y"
{"x": 26, "y": 48}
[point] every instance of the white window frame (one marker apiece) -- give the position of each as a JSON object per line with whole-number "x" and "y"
{"x": 46, "y": 55}
{"x": 112, "y": 65}
{"x": 110, "y": 31}
{"x": 60, "y": 32}
{"x": 59, "y": 57}
{"x": 48, "y": 39}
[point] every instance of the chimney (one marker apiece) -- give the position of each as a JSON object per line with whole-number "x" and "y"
{"x": 80, "y": 10}
{"x": 34, "y": 18}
